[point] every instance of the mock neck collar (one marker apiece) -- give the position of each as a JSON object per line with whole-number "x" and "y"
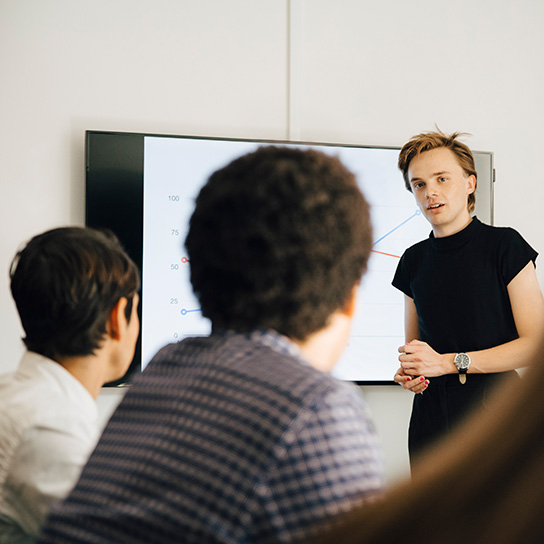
{"x": 458, "y": 239}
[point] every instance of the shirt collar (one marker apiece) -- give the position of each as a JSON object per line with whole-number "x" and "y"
{"x": 458, "y": 239}
{"x": 56, "y": 377}
{"x": 278, "y": 342}
{"x": 268, "y": 337}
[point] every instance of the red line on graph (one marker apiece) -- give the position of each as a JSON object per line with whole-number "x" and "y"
{"x": 387, "y": 254}
{"x": 185, "y": 260}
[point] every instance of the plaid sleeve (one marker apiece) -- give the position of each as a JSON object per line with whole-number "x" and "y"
{"x": 328, "y": 461}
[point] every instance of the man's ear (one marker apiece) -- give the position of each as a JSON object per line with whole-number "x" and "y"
{"x": 349, "y": 309}
{"x": 471, "y": 184}
{"x": 117, "y": 318}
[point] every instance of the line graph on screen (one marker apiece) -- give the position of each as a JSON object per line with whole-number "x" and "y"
{"x": 171, "y": 312}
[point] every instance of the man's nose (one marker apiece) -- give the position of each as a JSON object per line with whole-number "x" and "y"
{"x": 431, "y": 189}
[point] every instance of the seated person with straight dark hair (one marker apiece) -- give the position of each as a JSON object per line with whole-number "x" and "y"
{"x": 244, "y": 436}
{"x": 75, "y": 291}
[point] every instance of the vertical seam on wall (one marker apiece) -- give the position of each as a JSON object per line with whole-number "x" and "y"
{"x": 294, "y": 61}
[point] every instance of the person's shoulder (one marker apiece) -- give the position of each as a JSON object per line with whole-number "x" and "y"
{"x": 42, "y": 392}
{"x": 417, "y": 249}
{"x": 493, "y": 229}
{"x": 24, "y": 410}
{"x": 499, "y": 233}
{"x": 26, "y": 399}
{"x": 7, "y": 381}
{"x": 344, "y": 396}
{"x": 259, "y": 360}
{"x": 272, "y": 359}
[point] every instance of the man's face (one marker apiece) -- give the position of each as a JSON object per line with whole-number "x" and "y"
{"x": 441, "y": 188}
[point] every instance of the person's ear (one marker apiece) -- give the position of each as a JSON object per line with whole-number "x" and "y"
{"x": 471, "y": 186}
{"x": 117, "y": 319}
{"x": 349, "y": 309}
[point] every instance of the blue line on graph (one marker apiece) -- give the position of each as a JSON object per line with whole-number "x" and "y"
{"x": 417, "y": 212}
{"x": 185, "y": 312}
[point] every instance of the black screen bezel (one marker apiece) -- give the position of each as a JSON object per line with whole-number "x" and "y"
{"x": 114, "y": 198}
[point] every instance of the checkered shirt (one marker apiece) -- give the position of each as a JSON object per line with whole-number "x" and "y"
{"x": 229, "y": 438}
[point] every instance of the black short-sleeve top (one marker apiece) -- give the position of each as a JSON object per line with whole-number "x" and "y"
{"x": 459, "y": 286}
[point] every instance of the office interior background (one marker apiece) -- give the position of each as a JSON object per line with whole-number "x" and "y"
{"x": 346, "y": 71}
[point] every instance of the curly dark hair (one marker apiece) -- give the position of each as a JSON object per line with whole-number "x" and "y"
{"x": 278, "y": 239}
{"x": 65, "y": 283}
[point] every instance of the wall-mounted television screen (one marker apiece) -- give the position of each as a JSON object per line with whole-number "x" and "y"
{"x": 143, "y": 187}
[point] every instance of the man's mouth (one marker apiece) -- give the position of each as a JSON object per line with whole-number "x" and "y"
{"x": 434, "y": 206}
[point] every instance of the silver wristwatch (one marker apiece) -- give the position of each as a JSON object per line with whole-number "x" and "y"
{"x": 462, "y": 362}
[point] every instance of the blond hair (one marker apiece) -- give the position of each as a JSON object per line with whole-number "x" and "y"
{"x": 435, "y": 140}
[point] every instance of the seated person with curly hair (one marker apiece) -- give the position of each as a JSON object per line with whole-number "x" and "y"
{"x": 244, "y": 436}
{"x": 76, "y": 293}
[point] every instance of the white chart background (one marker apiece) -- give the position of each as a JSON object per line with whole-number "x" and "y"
{"x": 174, "y": 171}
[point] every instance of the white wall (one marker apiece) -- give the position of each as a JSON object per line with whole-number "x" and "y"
{"x": 353, "y": 71}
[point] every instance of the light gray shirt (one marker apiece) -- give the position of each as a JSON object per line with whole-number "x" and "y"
{"x": 48, "y": 428}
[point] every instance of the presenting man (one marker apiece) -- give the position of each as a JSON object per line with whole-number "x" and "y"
{"x": 474, "y": 310}
{"x": 243, "y": 436}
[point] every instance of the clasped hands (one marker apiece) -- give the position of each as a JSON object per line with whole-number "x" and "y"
{"x": 418, "y": 361}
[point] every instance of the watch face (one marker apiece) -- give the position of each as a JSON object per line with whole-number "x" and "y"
{"x": 462, "y": 361}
